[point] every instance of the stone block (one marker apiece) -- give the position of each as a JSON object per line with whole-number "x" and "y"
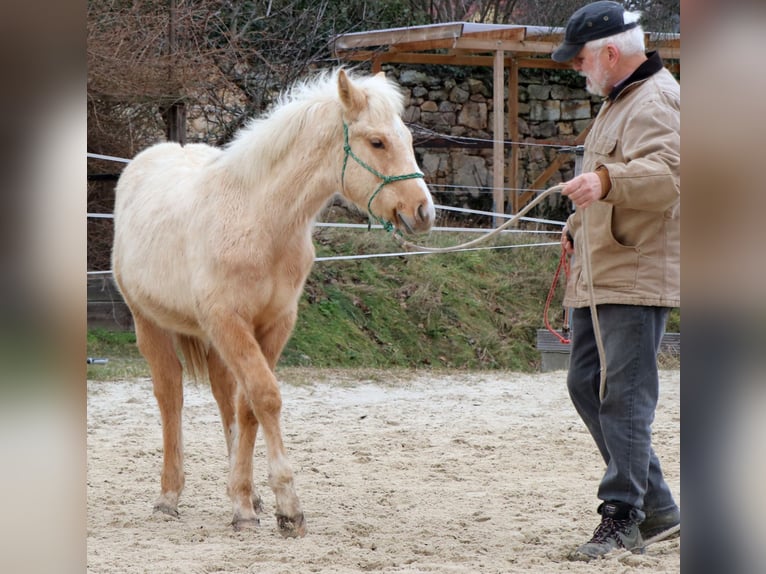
{"x": 437, "y": 95}
{"x": 473, "y": 115}
{"x": 411, "y": 114}
{"x": 469, "y": 171}
{"x": 432, "y": 163}
{"x": 458, "y": 95}
{"x": 415, "y": 77}
{"x": 547, "y": 110}
{"x": 447, "y": 106}
{"x": 543, "y": 130}
{"x": 477, "y": 87}
{"x": 538, "y": 92}
{"x": 565, "y": 128}
{"x": 559, "y": 92}
{"x": 575, "y": 109}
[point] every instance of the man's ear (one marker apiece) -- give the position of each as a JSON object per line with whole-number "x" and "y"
{"x": 612, "y": 53}
{"x": 352, "y": 98}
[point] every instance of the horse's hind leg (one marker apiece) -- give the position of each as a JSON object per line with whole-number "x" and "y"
{"x": 156, "y": 345}
{"x": 259, "y": 394}
{"x": 226, "y": 393}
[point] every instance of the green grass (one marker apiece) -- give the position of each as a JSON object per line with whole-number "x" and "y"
{"x": 469, "y": 310}
{"x": 119, "y": 348}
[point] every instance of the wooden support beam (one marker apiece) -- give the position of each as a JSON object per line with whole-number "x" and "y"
{"x": 522, "y": 47}
{"x": 513, "y": 130}
{"x": 498, "y": 134}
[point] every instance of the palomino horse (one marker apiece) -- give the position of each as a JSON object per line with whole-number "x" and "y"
{"x": 212, "y": 248}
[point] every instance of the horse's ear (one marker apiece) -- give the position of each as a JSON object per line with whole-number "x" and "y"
{"x": 353, "y": 99}
{"x": 381, "y": 75}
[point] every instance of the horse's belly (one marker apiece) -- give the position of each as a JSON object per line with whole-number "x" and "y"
{"x": 165, "y": 313}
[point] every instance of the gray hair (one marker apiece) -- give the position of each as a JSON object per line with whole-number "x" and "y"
{"x": 629, "y": 43}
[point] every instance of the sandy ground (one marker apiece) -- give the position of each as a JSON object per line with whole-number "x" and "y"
{"x": 397, "y": 472}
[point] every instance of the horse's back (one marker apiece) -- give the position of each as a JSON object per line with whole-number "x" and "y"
{"x": 154, "y": 201}
{"x": 162, "y": 174}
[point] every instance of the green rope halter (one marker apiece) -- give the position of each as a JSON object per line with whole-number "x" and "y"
{"x": 386, "y": 179}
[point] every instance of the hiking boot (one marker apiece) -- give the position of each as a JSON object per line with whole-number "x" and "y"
{"x": 618, "y": 530}
{"x": 658, "y": 522}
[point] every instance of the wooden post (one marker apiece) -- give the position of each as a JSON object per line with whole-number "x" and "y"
{"x": 175, "y": 122}
{"x": 498, "y": 133}
{"x": 174, "y": 114}
{"x": 513, "y": 132}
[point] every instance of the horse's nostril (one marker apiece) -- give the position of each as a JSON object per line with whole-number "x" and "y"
{"x": 422, "y": 212}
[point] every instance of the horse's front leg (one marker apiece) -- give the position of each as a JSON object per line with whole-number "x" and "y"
{"x": 234, "y": 339}
{"x": 156, "y": 345}
{"x": 230, "y": 403}
{"x": 290, "y": 520}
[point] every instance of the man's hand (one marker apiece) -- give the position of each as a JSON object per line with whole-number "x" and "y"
{"x": 584, "y": 189}
{"x": 566, "y": 241}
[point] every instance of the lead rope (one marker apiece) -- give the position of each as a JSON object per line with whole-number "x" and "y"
{"x": 563, "y": 264}
{"x": 592, "y": 304}
{"x": 586, "y": 264}
{"x": 513, "y": 220}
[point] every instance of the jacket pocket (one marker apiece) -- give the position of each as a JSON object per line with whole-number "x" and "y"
{"x": 603, "y": 145}
{"x": 613, "y": 264}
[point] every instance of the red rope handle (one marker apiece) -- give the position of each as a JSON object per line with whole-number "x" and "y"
{"x": 563, "y": 264}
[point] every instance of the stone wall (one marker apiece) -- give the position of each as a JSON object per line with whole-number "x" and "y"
{"x": 554, "y": 108}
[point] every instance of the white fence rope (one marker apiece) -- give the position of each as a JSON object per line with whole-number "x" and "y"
{"x": 108, "y": 157}
{"x": 418, "y": 129}
{"x": 395, "y": 254}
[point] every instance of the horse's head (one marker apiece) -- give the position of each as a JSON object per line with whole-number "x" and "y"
{"x": 380, "y": 173}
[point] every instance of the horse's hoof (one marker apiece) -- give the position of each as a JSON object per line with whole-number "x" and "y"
{"x": 241, "y": 524}
{"x": 166, "y": 509}
{"x": 257, "y": 504}
{"x": 291, "y": 527}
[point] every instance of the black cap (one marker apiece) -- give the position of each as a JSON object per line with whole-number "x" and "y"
{"x": 591, "y": 22}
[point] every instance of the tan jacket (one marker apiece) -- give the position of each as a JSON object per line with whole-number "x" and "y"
{"x": 634, "y": 231}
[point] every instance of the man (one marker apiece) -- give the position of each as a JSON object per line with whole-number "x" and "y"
{"x": 628, "y": 202}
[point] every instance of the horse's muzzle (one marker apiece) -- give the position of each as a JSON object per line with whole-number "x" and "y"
{"x": 420, "y": 221}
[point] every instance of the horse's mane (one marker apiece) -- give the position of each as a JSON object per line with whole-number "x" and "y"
{"x": 312, "y": 103}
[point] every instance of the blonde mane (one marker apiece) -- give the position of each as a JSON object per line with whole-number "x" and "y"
{"x": 313, "y": 102}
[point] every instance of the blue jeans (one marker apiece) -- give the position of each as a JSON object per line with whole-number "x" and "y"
{"x": 621, "y": 425}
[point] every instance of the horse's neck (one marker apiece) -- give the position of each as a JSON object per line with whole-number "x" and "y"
{"x": 293, "y": 177}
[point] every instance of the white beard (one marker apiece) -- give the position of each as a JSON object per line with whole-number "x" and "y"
{"x": 592, "y": 83}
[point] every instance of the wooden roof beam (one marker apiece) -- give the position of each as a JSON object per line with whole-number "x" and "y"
{"x": 398, "y": 36}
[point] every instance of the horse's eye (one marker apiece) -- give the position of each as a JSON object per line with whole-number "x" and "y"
{"x": 377, "y": 143}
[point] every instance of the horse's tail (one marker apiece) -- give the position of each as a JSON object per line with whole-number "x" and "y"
{"x": 194, "y": 351}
